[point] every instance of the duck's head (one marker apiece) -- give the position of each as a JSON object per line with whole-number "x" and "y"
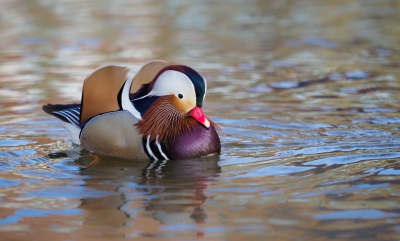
{"x": 172, "y": 102}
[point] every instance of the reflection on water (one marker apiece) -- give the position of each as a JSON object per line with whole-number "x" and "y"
{"x": 148, "y": 196}
{"x": 311, "y": 125}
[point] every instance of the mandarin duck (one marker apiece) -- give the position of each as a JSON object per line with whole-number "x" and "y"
{"x": 155, "y": 115}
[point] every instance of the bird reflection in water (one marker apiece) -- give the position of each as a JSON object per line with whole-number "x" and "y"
{"x": 148, "y": 195}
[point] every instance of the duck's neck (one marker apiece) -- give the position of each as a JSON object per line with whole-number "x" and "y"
{"x": 142, "y": 105}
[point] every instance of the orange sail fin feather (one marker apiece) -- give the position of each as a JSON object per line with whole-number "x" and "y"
{"x": 147, "y": 73}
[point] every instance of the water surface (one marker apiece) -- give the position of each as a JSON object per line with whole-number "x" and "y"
{"x": 306, "y": 92}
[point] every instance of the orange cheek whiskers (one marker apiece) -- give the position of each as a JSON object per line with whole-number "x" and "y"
{"x": 164, "y": 120}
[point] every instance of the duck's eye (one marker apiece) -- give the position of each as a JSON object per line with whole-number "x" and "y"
{"x": 180, "y": 96}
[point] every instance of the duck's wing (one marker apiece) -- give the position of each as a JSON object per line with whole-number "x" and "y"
{"x": 101, "y": 90}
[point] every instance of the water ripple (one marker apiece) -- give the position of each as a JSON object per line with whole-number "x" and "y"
{"x": 342, "y": 160}
{"x": 274, "y": 171}
{"x": 356, "y": 214}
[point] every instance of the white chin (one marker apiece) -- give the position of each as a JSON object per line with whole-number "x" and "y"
{"x": 206, "y": 123}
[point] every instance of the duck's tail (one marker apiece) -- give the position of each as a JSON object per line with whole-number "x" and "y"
{"x": 69, "y": 116}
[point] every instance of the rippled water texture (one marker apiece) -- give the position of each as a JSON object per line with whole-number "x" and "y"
{"x": 307, "y": 94}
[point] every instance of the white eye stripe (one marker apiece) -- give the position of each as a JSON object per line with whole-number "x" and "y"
{"x": 173, "y": 82}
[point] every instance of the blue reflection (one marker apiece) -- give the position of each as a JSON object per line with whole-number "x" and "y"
{"x": 50, "y": 174}
{"x": 43, "y": 213}
{"x": 356, "y": 214}
{"x": 275, "y": 171}
{"x": 320, "y": 42}
{"x": 179, "y": 227}
{"x": 32, "y": 40}
{"x": 390, "y": 171}
{"x": 353, "y": 158}
{"x": 383, "y": 52}
{"x": 357, "y": 75}
{"x": 8, "y": 183}
{"x": 70, "y": 192}
{"x": 10, "y": 220}
{"x": 9, "y": 142}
